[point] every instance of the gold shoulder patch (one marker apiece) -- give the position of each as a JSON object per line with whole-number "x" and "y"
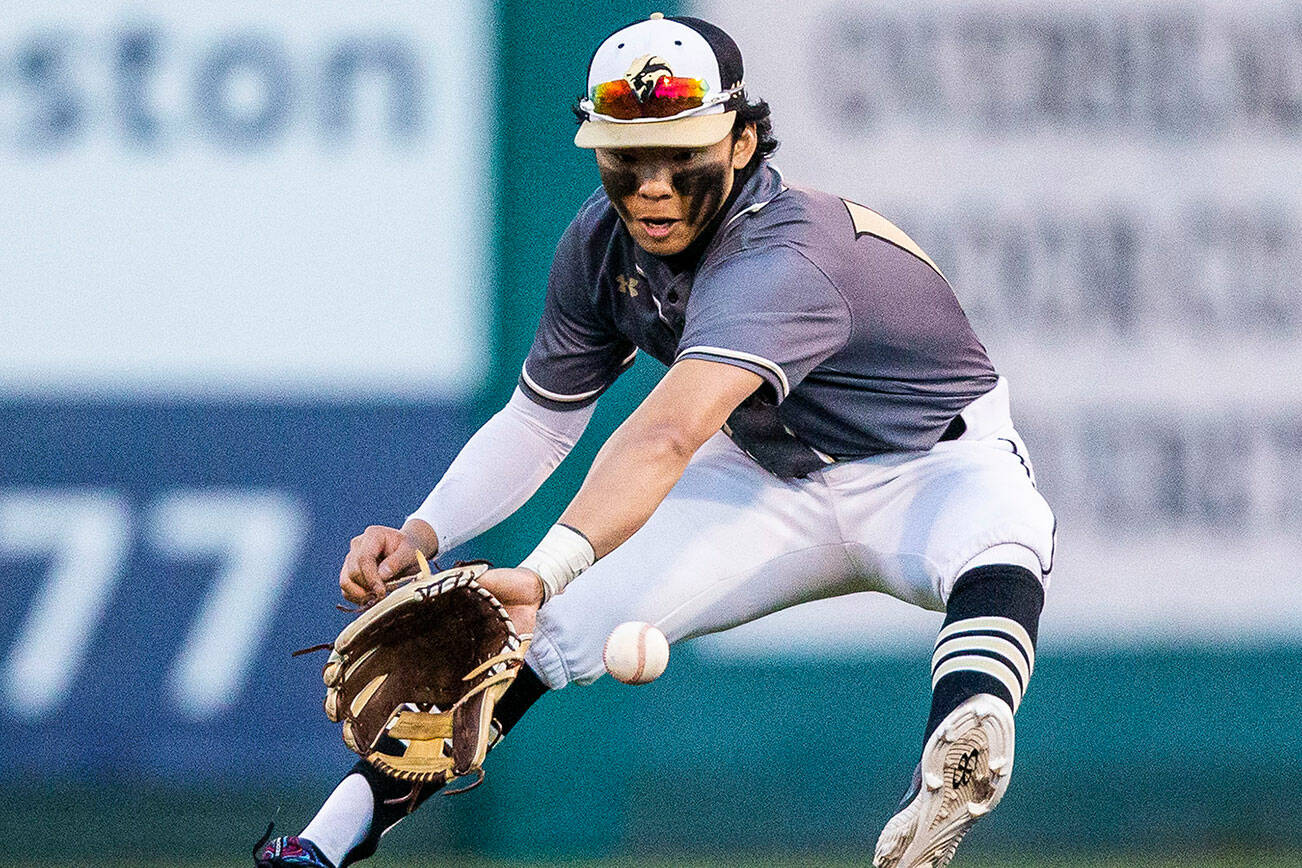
{"x": 869, "y": 222}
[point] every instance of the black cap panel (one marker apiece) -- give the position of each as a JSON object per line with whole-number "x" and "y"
{"x": 731, "y": 72}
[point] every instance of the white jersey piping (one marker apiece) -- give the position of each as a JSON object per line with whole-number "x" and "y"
{"x": 772, "y": 366}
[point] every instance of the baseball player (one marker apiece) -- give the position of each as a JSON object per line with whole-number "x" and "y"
{"x": 828, "y": 424}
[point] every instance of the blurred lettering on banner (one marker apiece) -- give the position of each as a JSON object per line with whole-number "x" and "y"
{"x": 1115, "y": 191}
{"x": 245, "y": 199}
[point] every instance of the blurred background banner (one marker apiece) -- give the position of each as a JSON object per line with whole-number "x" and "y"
{"x": 1115, "y": 192}
{"x": 246, "y": 199}
{"x": 265, "y": 267}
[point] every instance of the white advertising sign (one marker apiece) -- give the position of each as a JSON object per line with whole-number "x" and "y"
{"x": 244, "y": 199}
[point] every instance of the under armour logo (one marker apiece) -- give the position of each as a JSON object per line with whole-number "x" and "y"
{"x": 627, "y": 285}
{"x": 966, "y": 767}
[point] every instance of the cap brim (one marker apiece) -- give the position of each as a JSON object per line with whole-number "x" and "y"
{"x": 698, "y": 131}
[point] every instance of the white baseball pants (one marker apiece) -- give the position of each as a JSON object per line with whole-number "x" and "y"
{"x": 732, "y": 543}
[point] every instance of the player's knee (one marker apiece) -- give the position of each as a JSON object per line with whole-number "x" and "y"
{"x": 1014, "y": 554}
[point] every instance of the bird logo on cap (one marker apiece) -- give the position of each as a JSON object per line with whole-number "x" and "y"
{"x": 644, "y": 73}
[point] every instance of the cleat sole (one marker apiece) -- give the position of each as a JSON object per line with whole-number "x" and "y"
{"x": 965, "y": 773}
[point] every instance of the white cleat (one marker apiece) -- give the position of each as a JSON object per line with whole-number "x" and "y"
{"x": 963, "y": 775}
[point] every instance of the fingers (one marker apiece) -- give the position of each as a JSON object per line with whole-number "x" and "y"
{"x": 398, "y": 560}
{"x": 351, "y": 583}
{"x": 523, "y": 617}
{"x": 519, "y": 590}
{"x": 369, "y": 549}
{"x": 359, "y": 577}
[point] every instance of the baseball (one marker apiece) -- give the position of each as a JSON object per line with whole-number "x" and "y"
{"x": 636, "y": 652}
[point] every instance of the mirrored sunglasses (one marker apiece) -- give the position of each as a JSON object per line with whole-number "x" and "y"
{"x": 671, "y": 96}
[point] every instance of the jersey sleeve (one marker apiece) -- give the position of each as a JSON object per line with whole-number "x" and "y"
{"x": 577, "y": 351}
{"x": 771, "y": 311}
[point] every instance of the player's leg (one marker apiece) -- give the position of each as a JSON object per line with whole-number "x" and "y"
{"x": 981, "y": 667}
{"x": 366, "y": 804}
{"x": 987, "y": 643}
{"x": 960, "y": 528}
{"x": 729, "y": 544}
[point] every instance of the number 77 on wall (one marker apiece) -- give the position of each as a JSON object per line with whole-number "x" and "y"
{"x": 85, "y": 536}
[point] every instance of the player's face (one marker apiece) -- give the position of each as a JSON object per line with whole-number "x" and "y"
{"x": 666, "y": 196}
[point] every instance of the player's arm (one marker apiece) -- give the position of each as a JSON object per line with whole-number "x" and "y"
{"x": 648, "y": 453}
{"x": 631, "y": 475}
{"x": 498, "y": 469}
{"x": 576, "y": 354}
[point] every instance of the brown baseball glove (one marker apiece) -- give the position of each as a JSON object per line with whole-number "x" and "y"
{"x": 416, "y": 676}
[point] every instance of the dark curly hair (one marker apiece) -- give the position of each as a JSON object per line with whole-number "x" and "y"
{"x": 756, "y": 113}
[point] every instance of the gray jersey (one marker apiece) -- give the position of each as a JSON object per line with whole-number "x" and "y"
{"x": 860, "y": 341}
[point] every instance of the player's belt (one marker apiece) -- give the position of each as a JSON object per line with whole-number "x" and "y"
{"x": 955, "y": 429}
{"x": 756, "y": 427}
{"x": 758, "y": 430}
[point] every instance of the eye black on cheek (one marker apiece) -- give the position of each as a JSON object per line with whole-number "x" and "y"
{"x": 702, "y": 189}
{"x": 620, "y": 183}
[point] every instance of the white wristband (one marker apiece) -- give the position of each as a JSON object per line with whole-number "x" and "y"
{"x": 559, "y": 558}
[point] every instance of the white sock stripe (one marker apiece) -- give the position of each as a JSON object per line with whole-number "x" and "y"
{"x": 999, "y": 644}
{"x": 1014, "y": 630}
{"x": 989, "y": 640}
{"x": 985, "y": 665}
{"x": 1003, "y": 647}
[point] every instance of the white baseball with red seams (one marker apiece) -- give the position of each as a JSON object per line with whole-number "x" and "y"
{"x": 636, "y": 652}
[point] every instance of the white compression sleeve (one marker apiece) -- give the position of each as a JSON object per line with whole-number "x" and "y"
{"x": 500, "y": 467}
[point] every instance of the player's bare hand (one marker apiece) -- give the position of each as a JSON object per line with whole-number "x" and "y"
{"x": 379, "y": 553}
{"x": 519, "y": 590}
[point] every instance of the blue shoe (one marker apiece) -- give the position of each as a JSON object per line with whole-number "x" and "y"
{"x": 288, "y": 852}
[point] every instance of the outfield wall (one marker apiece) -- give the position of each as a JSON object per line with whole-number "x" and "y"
{"x": 264, "y": 269}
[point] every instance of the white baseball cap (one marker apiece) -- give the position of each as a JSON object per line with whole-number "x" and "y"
{"x": 663, "y": 82}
